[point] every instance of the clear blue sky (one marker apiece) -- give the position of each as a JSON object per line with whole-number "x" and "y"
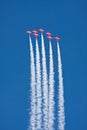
{"x": 66, "y": 18}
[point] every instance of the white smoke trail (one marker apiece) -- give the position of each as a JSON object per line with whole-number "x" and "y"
{"x": 33, "y": 98}
{"x": 38, "y": 89}
{"x": 51, "y": 89}
{"x": 45, "y": 87}
{"x": 61, "y": 113}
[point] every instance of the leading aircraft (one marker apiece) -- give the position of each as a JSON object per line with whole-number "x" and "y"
{"x": 28, "y": 32}
{"x": 41, "y": 30}
{"x": 48, "y": 33}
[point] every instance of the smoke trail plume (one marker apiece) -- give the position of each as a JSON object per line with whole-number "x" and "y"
{"x": 61, "y": 113}
{"x": 33, "y": 98}
{"x": 38, "y": 89}
{"x": 45, "y": 86}
{"x": 51, "y": 89}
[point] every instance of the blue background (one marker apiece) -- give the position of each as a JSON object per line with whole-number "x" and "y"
{"x": 69, "y": 20}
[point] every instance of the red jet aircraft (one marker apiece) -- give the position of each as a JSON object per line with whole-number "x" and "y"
{"x": 49, "y": 37}
{"x": 57, "y": 38}
{"x": 48, "y": 33}
{"x": 34, "y": 31}
{"x": 28, "y": 32}
{"x": 35, "y": 34}
{"x": 41, "y": 30}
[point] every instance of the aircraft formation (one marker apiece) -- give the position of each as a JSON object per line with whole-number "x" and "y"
{"x": 35, "y": 33}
